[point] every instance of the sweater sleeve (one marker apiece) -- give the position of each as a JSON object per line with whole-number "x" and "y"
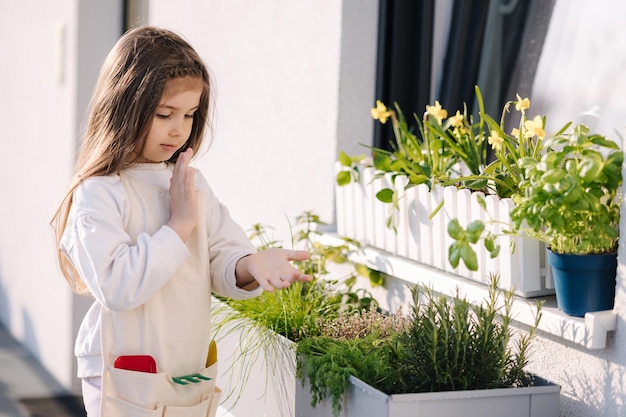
{"x": 119, "y": 273}
{"x": 227, "y": 244}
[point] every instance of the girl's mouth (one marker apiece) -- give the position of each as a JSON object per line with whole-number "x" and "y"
{"x": 169, "y": 148}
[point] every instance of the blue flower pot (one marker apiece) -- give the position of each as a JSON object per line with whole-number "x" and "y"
{"x": 584, "y": 283}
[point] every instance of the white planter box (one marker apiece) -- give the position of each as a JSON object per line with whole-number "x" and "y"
{"x": 360, "y": 216}
{"x": 363, "y": 400}
{"x": 271, "y": 389}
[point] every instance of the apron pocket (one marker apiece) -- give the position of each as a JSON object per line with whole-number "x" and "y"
{"x": 147, "y": 392}
{"x": 115, "y": 407}
{"x": 200, "y": 410}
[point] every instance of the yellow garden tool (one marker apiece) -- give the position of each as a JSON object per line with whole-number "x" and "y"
{"x": 212, "y": 355}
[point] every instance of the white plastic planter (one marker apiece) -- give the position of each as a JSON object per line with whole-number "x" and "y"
{"x": 360, "y": 216}
{"x": 542, "y": 400}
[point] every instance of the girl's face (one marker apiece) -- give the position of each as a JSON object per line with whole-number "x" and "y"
{"x": 173, "y": 120}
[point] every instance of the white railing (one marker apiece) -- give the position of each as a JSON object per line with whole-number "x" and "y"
{"x": 362, "y": 217}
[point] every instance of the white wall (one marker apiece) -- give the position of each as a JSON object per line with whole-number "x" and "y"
{"x": 282, "y": 69}
{"x": 582, "y": 66}
{"x": 36, "y": 114}
{"x": 39, "y": 114}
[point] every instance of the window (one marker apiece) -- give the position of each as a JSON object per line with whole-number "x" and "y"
{"x": 439, "y": 50}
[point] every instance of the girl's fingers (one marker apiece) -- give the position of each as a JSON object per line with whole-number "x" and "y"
{"x": 183, "y": 198}
{"x": 182, "y": 162}
{"x": 297, "y": 255}
{"x": 189, "y": 180}
{"x": 183, "y": 174}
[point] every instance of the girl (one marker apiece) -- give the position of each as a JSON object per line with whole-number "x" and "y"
{"x": 143, "y": 233}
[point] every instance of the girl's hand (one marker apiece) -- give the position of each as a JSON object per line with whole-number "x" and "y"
{"x": 271, "y": 269}
{"x": 183, "y": 197}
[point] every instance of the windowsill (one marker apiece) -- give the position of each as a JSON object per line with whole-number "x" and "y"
{"x": 589, "y": 332}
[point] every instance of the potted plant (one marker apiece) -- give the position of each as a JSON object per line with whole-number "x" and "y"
{"x": 257, "y": 337}
{"x": 570, "y": 201}
{"x": 447, "y": 358}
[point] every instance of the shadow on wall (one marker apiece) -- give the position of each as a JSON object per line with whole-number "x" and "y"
{"x": 593, "y": 395}
{"x": 5, "y": 310}
{"x": 29, "y": 336}
{"x": 21, "y": 374}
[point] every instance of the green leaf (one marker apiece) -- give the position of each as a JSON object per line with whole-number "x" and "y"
{"x": 454, "y": 255}
{"x": 382, "y": 162}
{"x": 343, "y": 178}
{"x": 589, "y": 169}
{"x": 362, "y": 270}
{"x": 603, "y": 142}
{"x": 478, "y": 184}
{"x": 417, "y": 178}
{"x": 345, "y": 159}
{"x": 377, "y": 279}
{"x": 495, "y": 252}
{"x": 489, "y": 244}
{"x": 436, "y": 210}
{"x": 469, "y": 257}
{"x": 572, "y": 195}
{"x": 385, "y": 195}
{"x": 481, "y": 201}
{"x": 553, "y": 175}
{"x": 475, "y": 229}
{"x": 454, "y": 229}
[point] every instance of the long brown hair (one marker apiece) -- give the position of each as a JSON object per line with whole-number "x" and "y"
{"x": 128, "y": 91}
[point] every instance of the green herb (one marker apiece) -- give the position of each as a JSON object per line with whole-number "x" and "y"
{"x": 267, "y": 323}
{"x": 571, "y": 200}
{"x": 454, "y": 345}
{"x": 445, "y": 344}
{"x": 357, "y": 343}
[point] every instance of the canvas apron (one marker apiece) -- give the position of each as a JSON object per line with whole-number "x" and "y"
{"x": 173, "y": 327}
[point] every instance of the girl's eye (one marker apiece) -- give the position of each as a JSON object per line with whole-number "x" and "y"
{"x": 163, "y": 116}
{"x": 189, "y": 116}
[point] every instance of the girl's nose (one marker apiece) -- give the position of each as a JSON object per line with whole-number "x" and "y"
{"x": 177, "y": 127}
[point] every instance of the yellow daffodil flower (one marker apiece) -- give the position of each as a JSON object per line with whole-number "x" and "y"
{"x": 515, "y": 132}
{"x": 495, "y": 140}
{"x": 437, "y": 112}
{"x": 522, "y": 104}
{"x": 534, "y": 128}
{"x": 457, "y": 119}
{"x": 381, "y": 112}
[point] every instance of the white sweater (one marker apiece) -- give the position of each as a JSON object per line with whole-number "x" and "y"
{"x": 124, "y": 270}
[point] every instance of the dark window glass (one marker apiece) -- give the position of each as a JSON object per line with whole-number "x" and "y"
{"x": 494, "y": 44}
